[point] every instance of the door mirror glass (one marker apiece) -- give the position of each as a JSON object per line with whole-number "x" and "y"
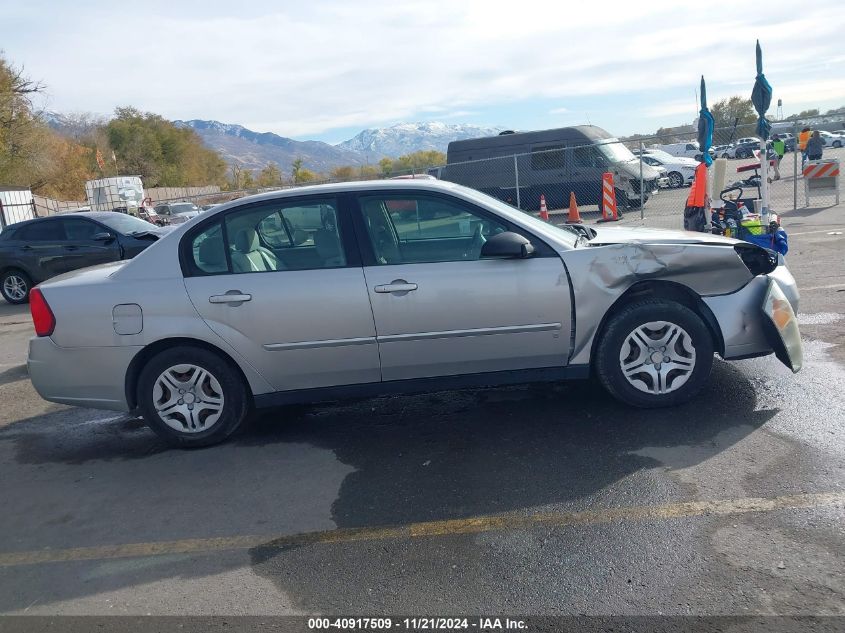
{"x": 105, "y": 236}
{"x": 507, "y": 245}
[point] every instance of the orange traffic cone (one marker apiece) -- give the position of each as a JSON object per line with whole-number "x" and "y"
{"x": 574, "y": 215}
{"x": 544, "y": 210}
{"x": 608, "y": 199}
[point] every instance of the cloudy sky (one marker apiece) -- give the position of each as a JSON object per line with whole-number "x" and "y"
{"x": 325, "y": 69}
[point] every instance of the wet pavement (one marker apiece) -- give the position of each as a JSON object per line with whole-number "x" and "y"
{"x": 533, "y": 499}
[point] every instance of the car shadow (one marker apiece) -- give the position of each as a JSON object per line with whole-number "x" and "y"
{"x": 377, "y": 462}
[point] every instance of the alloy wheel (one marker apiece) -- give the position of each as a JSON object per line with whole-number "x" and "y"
{"x": 675, "y": 180}
{"x": 14, "y": 287}
{"x": 188, "y": 398}
{"x": 657, "y": 357}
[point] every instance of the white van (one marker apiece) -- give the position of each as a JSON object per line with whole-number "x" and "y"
{"x": 689, "y": 149}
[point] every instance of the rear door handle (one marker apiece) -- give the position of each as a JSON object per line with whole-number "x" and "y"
{"x": 71, "y": 247}
{"x": 399, "y": 285}
{"x": 233, "y": 296}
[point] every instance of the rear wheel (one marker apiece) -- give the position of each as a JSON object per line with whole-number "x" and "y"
{"x": 192, "y": 397}
{"x": 654, "y": 353}
{"x": 15, "y": 286}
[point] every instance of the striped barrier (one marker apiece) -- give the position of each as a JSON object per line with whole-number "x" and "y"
{"x": 609, "y": 212}
{"x": 821, "y": 177}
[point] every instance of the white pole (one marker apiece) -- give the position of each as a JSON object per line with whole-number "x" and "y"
{"x": 764, "y": 182}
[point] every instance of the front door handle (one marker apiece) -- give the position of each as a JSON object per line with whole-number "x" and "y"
{"x": 231, "y": 297}
{"x": 397, "y": 285}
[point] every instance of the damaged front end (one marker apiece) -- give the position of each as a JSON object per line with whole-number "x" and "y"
{"x": 744, "y": 292}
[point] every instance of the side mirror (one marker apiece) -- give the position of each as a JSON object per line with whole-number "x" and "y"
{"x": 507, "y": 245}
{"x": 103, "y": 237}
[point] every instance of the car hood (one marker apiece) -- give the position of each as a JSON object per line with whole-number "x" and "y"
{"x": 643, "y": 235}
{"x": 154, "y": 232}
{"x": 631, "y": 169}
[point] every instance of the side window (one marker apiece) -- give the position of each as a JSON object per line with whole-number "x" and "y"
{"x": 419, "y": 229}
{"x": 690, "y": 147}
{"x": 208, "y": 252}
{"x": 79, "y": 230}
{"x": 50, "y": 231}
{"x": 586, "y": 157}
{"x": 285, "y": 236}
{"x": 547, "y": 157}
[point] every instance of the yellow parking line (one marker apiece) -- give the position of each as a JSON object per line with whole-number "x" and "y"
{"x": 472, "y": 525}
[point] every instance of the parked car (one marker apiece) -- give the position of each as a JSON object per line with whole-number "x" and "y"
{"x": 743, "y": 149}
{"x": 178, "y": 212}
{"x": 229, "y": 311}
{"x": 679, "y": 171}
{"x": 36, "y": 250}
{"x": 720, "y": 151}
{"x": 149, "y": 215}
{"x": 688, "y": 149}
{"x": 832, "y": 139}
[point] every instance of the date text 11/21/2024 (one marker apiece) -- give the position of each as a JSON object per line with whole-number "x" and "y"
{"x": 417, "y": 624}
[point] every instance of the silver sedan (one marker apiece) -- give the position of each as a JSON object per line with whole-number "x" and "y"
{"x": 367, "y": 288}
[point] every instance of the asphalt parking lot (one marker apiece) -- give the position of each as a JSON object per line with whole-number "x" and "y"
{"x": 535, "y": 499}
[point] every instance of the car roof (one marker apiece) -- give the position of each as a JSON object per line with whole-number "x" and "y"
{"x": 417, "y": 184}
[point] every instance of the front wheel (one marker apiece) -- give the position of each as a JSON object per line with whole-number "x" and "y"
{"x": 676, "y": 180}
{"x": 837, "y": 143}
{"x": 192, "y": 397}
{"x": 15, "y": 286}
{"x": 654, "y": 353}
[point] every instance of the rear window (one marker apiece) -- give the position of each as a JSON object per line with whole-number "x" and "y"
{"x": 41, "y": 232}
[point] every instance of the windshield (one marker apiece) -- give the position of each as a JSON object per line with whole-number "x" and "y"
{"x": 184, "y": 207}
{"x": 508, "y": 212}
{"x": 613, "y": 150}
{"x": 126, "y": 224}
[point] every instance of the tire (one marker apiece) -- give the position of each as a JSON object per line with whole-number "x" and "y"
{"x": 15, "y": 286}
{"x": 653, "y": 320}
{"x": 676, "y": 180}
{"x": 221, "y": 394}
{"x": 837, "y": 143}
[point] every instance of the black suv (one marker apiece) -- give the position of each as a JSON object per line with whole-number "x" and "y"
{"x": 35, "y": 250}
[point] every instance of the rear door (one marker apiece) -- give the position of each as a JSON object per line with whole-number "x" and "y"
{"x": 442, "y": 310}
{"x": 281, "y": 282}
{"x": 39, "y": 248}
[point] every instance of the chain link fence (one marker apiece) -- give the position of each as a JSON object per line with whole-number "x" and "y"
{"x": 652, "y": 176}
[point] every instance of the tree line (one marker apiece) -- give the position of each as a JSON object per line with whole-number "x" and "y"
{"x": 57, "y": 162}
{"x": 734, "y": 117}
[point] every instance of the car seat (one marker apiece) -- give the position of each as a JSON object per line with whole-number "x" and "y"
{"x": 249, "y": 256}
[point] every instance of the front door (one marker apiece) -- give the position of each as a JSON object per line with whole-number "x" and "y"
{"x": 278, "y": 282}
{"x": 80, "y": 247}
{"x": 440, "y": 309}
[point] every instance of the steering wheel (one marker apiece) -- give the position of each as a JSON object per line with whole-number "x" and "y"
{"x": 477, "y": 243}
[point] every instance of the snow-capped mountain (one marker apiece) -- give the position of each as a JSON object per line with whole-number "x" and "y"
{"x": 404, "y": 138}
{"x": 254, "y": 150}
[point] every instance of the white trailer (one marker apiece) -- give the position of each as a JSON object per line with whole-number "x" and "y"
{"x": 119, "y": 193}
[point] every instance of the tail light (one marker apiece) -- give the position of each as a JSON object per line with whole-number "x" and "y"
{"x": 42, "y": 315}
